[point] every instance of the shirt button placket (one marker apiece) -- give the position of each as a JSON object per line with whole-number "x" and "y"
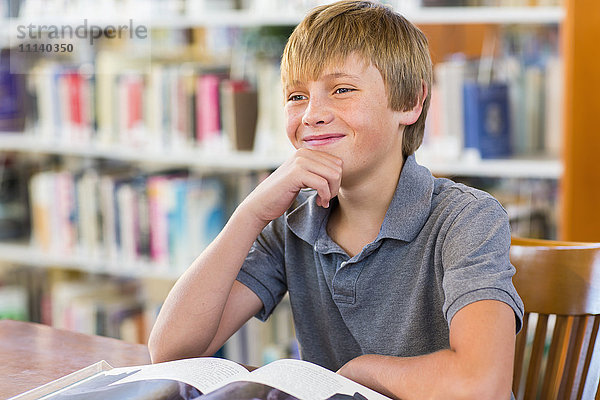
{"x": 343, "y": 288}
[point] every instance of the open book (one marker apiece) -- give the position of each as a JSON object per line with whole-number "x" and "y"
{"x": 203, "y": 379}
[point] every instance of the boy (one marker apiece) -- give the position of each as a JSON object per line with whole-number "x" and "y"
{"x": 398, "y": 280}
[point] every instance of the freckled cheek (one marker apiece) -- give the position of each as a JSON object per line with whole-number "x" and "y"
{"x": 366, "y": 133}
{"x": 293, "y": 120}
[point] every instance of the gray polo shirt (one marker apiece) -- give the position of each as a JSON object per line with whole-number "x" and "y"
{"x": 442, "y": 246}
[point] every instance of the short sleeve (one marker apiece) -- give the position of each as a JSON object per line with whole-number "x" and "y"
{"x": 263, "y": 269}
{"x": 475, "y": 258}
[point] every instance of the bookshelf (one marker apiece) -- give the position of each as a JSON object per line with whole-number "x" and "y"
{"x": 205, "y": 161}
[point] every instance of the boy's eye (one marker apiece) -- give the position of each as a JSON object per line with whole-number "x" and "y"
{"x": 296, "y": 97}
{"x": 343, "y": 90}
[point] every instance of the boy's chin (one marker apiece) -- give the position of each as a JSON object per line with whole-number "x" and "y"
{"x": 323, "y": 149}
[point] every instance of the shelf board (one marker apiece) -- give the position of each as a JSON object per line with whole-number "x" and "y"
{"x": 487, "y": 15}
{"x": 25, "y": 254}
{"x": 251, "y": 161}
{"x": 501, "y": 168}
{"x": 432, "y": 15}
{"x": 250, "y": 18}
{"x": 193, "y": 158}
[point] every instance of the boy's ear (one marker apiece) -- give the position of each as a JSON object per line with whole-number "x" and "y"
{"x": 411, "y": 116}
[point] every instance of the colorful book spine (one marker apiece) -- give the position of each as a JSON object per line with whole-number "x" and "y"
{"x": 487, "y": 119}
{"x": 207, "y": 106}
{"x": 12, "y": 99}
{"x": 169, "y": 107}
{"x": 158, "y": 209}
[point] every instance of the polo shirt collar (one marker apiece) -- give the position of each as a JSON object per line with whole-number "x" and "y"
{"x": 404, "y": 219}
{"x": 411, "y": 204}
{"x": 307, "y": 218}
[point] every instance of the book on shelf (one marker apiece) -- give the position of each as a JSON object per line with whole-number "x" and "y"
{"x": 23, "y": 290}
{"x": 127, "y": 309}
{"x": 554, "y": 98}
{"x": 270, "y": 126}
{"x": 121, "y": 101}
{"x": 181, "y": 100}
{"x": 96, "y": 307}
{"x": 10, "y": 8}
{"x": 487, "y": 119}
{"x": 65, "y": 102}
{"x": 13, "y": 96}
{"x": 533, "y": 75}
{"x": 14, "y": 204}
{"x": 88, "y": 214}
{"x": 208, "y": 114}
{"x": 122, "y": 218}
{"x": 14, "y": 303}
{"x": 240, "y": 113}
{"x": 445, "y": 121}
{"x": 204, "y": 378}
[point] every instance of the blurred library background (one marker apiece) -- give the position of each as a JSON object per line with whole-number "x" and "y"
{"x": 130, "y": 130}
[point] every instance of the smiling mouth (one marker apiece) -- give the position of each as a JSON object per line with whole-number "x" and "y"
{"x": 317, "y": 140}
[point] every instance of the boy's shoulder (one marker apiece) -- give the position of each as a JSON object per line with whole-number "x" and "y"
{"x": 447, "y": 187}
{"x": 449, "y": 193}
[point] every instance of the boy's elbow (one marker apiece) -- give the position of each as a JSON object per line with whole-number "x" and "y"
{"x": 164, "y": 349}
{"x": 156, "y": 349}
{"x": 161, "y": 353}
{"x": 161, "y": 348}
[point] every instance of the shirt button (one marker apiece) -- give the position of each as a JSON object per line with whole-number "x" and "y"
{"x": 343, "y": 264}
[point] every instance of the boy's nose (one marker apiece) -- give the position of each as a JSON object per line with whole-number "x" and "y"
{"x": 316, "y": 114}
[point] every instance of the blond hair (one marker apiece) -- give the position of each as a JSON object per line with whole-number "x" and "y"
{"x": 398, "y": 49}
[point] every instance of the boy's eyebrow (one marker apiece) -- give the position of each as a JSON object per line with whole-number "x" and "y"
{"x": 333, "y": 75}
{"x": 293, "y": 84}
{"x": 340, "y": 75}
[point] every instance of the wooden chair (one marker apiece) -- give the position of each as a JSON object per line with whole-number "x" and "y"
{"x": 559, "y": 283}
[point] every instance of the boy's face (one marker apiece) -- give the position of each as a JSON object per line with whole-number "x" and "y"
{"x": 345, "y": 113}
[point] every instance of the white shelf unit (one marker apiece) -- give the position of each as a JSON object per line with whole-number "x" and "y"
{"x": 26, "y": 254}
{"x": 486, "y": 15}
{"x": 232, "y": 161}
{"x": 500, "y": 168}
{"x": 429, "y": 15}
{"x": 200, "y": 159}
{"x": 250, "y": 18}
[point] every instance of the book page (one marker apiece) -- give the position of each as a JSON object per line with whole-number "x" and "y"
{"x": 202, "y": 373}
{"x": 305, "y": 380}
{"x": 65, "y": 381}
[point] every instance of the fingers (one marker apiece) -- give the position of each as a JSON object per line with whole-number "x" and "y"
{"x": 321, "y": 185}
{"x": 307, "y": 168}
{"x": 320, "y": 171}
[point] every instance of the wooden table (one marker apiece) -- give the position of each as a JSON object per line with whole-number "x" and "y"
{"x": 33, "y": 354}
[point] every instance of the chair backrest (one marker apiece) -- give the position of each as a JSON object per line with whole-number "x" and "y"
{"x": 557, "y": 352}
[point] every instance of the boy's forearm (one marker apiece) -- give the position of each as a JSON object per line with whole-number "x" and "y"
{"x": 190, "y": 315}
{"x": 440, "y": 375}
{"x": 478, "y": 364}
